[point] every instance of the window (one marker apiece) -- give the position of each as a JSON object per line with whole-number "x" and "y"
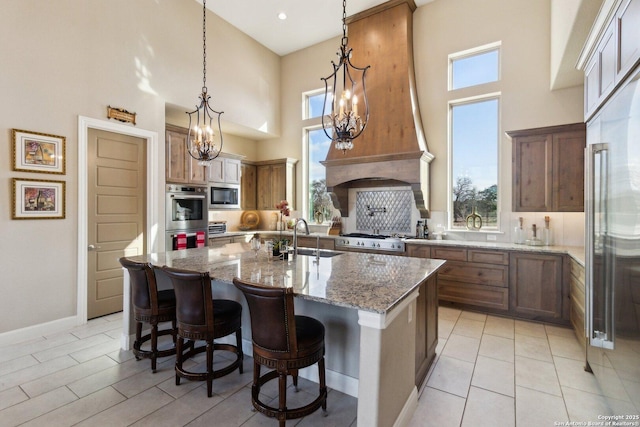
{"x": 474, "y": 160}
{"x": 319, "y": 200}
{"x": 474, "y": 67}
{"x": 316, "y": 145}
{"x": 313, "y": 104}
{"x": 474, "y": 129}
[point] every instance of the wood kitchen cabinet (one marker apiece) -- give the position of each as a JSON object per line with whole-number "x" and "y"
{"x": 310, "y": 242}
{"x": 474, "y": 277}
{"x": 180, "y": 166}
{"x": 548, "y": 169}
{"x": 426, "y": 328}
{"x": 578, "y": 300}
{"x": 536, "y": 286}
{"x": 225, "y": 169}
{"x": 275, "y": 181}
{"x": 616, "y": 53}
{"x": 248, "y": 182}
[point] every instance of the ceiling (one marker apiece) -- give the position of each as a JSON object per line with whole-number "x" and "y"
{"x": 308, "y": 21}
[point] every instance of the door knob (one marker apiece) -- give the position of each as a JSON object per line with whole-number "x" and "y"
{"x": 93, "y": 247}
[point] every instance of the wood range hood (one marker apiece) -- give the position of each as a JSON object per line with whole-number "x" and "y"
{"x": 392, "y": 150}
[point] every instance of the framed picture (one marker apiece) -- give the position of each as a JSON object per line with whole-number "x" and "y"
{"x": 38, "y": 152}
{"x": 38, "y": 199}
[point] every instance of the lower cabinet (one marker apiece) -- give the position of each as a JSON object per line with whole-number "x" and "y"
{"x": 536, "y": 290}
{"x": 426, "y": 328}
{"x": 578, "y": 300}
{"x": 310, "y": 242}
{"x": 520, "y": 284}
{"x": 482, "y": 284}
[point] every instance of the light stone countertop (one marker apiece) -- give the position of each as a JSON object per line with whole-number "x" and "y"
{"x": 364, "y": 281}
{"x": 575, "y": 252}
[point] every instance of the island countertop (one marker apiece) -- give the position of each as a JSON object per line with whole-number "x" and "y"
{"x": 363, "y": 281}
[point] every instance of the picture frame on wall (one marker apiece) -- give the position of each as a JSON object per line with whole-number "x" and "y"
{"x": 38, "y": 199}
{"x": 38, "y": 152}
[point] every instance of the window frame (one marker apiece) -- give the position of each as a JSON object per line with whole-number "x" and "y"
{"x": 479, "y": 50}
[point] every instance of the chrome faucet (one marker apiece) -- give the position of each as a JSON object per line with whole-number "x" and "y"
{"x": 295, "y": 234}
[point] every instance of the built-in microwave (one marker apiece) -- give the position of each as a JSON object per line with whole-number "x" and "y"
{"x": 224, "y": 196}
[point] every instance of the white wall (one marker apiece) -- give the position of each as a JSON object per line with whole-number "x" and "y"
{"x": 67, "y": 58}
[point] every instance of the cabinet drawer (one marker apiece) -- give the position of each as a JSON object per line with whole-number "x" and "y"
{"x": 419, "y": 251}
{"x": 485, "y": 296}
{"x": 489, "y": 257}
{"x": 577, "y": 271}
{"x": 310, "y": 242}
{"x": 475, "y": 273}
{"x": 451, "y": 254}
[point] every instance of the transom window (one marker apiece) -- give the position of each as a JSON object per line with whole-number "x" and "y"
{"x": 474, "y": 67}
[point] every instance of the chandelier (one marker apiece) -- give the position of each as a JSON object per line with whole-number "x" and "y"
{"x": 203, "y": 142}
{"x": 343, "y": 124}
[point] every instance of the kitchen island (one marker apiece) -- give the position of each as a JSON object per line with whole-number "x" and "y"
{"x": 376, "y": 309}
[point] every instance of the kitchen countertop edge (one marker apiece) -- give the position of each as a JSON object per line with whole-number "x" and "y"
{"x": 575, "y": 252}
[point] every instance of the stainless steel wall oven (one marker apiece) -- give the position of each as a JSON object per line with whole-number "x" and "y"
{"x": 186, "y": 211}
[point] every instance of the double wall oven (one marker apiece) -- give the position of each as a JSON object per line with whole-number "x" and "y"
{"x": 186, "y": 212}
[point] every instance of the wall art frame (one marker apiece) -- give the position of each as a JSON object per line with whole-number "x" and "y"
{"x": 38, "y": 199}
{"x": 39, "y": 152}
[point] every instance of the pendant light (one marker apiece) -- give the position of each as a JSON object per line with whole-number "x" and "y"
{"x": 343, "y": 124}
{"x": 204, "y": 141}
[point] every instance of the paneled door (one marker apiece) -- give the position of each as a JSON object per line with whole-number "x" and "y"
{"x": 116, "y": 215}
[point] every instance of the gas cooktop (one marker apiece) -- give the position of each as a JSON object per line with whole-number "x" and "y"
{"x": 370, "y": 242}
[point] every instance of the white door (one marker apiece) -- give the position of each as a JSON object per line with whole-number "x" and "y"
{"x": 115, "y": 214}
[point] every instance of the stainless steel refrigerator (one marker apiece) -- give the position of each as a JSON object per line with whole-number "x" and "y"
{"x": 613, "y": 248}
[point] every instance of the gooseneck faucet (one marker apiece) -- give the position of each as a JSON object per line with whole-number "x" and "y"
{"x": 295, "y": 234}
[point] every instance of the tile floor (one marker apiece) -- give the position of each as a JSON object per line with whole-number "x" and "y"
{"x": 489, "y": 371}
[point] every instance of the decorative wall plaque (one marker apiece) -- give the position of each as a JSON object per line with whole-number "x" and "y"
{"x": 121, "y": 115}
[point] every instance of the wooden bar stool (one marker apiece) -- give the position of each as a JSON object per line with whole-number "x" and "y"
{"x": 202, "y": 318}
{"x": 285, "y": 343}
{"x": 150, "y": 306}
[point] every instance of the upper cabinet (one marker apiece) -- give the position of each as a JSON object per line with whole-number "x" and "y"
{"x": 225, "y": 169}
{"x": 275, "y": 181}
{"x": 248, "y": 185}
{"x": 180, "y": 166}
{"x": 548, "y": 169}
{"x": 611, "y": 51}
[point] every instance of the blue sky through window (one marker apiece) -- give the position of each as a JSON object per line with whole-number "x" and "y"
{"x": 475, "y": 69}
{"x": 475, "y": 142}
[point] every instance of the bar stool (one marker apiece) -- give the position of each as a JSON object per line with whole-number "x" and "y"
{"x": 285, "y": 343}
{"x": 202, "y": 318}
{"x": 150, "y": 306}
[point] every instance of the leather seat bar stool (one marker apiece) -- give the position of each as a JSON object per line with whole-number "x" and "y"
{"x": 150, "y": 306}
{"x": 284, "y": 343}
{"x": 202, "y": 318}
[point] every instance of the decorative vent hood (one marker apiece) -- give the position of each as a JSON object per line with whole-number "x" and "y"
{"x": 392, "y": 151}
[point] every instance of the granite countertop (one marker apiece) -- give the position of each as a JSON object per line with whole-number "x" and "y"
{"x": 364, "y": 281}
{"x": 575, "y": 252}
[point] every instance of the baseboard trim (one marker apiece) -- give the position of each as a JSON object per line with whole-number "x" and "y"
{"x": 35, "y": 331}
{"x": 410, "y": 406}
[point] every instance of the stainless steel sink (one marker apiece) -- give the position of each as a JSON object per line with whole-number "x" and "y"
{"x": 324, "y": 253}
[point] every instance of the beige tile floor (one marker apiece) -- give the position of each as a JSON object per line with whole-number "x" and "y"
{"x": 489, "y": 371}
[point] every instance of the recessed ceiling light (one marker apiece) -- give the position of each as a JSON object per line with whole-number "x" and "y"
{"x": 282, "y": 16}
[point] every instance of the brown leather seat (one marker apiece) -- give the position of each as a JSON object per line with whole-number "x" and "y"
{"x": 202, "y": 318}
{"x": 150, "y": 306}
{"x": 285, "y": 343}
